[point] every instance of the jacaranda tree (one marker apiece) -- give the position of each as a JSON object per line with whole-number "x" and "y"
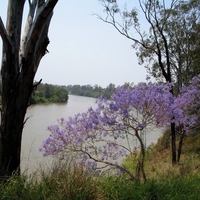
{"x": 101, "y": 137}
{"x": 187, "y": 110}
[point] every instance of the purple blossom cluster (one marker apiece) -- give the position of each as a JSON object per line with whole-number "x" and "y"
{"x": 151, "y": 102}
{"x": 186, "y": 106}
{"x": 102, "y": 135}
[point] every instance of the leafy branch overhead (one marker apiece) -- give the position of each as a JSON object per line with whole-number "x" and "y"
{"x": 163, "y": 33}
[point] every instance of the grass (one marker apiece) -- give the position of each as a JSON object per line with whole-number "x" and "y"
{"x": 104, "y": 188}
{"x": 159, "y": 159}
{"x": 182, "y": 188}
{"x": 165, "y": 182}
{"x": 60, "y": 184}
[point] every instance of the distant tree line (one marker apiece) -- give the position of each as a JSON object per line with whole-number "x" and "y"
{"x": 94, "y": 91}
{"x": 47, "y": 93}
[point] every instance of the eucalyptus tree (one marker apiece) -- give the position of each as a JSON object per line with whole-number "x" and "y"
{"x": 183, "y": 30}
{"x": 20, "y": 60}
{"x": 155, "y": 41}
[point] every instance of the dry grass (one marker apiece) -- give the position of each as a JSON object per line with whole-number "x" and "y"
{"x": 158, "y": 162}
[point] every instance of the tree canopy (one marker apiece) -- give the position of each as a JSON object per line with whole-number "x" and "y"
{"x": 165, "y": 45}
{"x": 168, "y": 43}
{"x": 48, "y": 93}
{"x": 105, "y": 135}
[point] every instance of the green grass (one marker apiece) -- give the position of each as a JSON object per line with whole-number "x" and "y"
{"x": 164, "y": 182}
{"x": 59, "y": 184}
{"x": 104, "y": 188}
{"x": 183, "y": 188}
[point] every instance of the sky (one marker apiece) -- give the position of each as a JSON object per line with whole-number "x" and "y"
{"x": 85, "y": 50}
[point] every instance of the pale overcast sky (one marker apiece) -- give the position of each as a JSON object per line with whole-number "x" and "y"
{"x": 85, "y": 50}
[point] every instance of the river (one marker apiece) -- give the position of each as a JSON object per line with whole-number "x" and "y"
{"x": 42, "y": 115}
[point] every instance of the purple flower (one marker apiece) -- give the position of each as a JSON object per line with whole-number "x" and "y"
{"x": 96, "y": 135}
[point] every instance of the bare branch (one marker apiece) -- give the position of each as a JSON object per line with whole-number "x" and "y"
{"x": 42, "y": 14}
{"x": 41, "y": 47}
{"x": 110, "y": 164}
{"x": 123, "y": 32}
{"x": 29, "y": 2}
{"x": 36, "y": 84}
{"x": 29, "y": 21}
{"x": 40, "y": 3}
{"x": 5, "y": 38}
{"x": 156, "y": 27}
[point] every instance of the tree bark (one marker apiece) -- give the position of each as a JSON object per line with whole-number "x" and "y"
{"x": 19, "y": 65}
{"x": 179, "y": 151}
{"x": 140, "y": 167}
{"x": 173, "y": 142}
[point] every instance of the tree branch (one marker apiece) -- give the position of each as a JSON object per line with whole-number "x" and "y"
{"x": 110, "y": 164}
{"x": 29, "y": 21}
{"x": 41, "y": 47}
{"x": 42, "y": 14}
{"x": 5, "y": 38}
{"x": 36, "y": 84}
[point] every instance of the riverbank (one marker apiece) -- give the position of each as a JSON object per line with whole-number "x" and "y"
{"x": 48, "y": 93}
{"x": 164, "y": 182}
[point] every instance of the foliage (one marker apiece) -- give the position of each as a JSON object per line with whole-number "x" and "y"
{"x": 95, "y": 91}
{"x": 85, "y": 90}
{"x": 187, "y": 106}
{"x": 168, "y": 44}
{"x": 164, "y": 189}
{"x": 60, "y": 183}
{"x": 105, "y": 134}
{"x": 152, "y": 46}
{"x": 81, "y": 186}
{"x": 47, "y": 93}
{"x": 183, "y": 28}
{"x": 91, "y": 91}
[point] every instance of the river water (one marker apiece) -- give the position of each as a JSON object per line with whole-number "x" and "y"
{"x": 35, "y": 130}
{"x": 43, "y": 115}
